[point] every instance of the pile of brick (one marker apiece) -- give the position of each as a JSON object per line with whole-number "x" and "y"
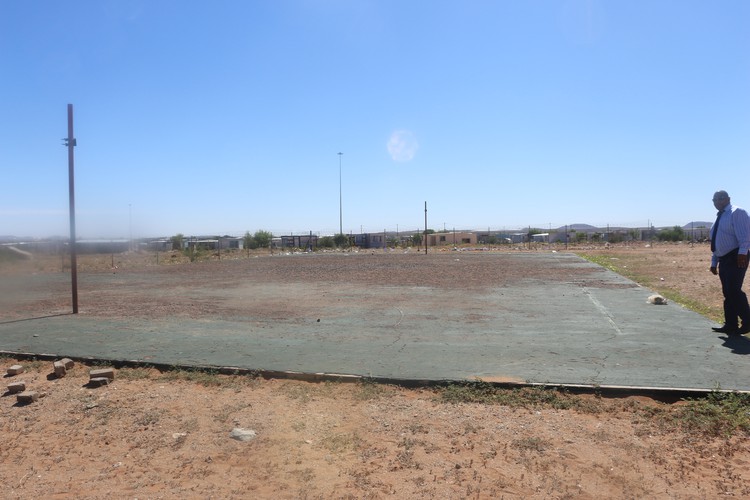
{"x": 97, "y": 378}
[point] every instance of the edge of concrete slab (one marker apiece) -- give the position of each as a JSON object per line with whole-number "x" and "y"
{"x": 659, "y": 393}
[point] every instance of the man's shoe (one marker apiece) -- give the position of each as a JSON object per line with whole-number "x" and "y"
{"x": 743, "y": 330}
{"x": 727, "y": 329}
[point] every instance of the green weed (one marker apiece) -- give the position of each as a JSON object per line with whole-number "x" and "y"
{"x": 206, "y": 378}
{"x": 718, "y": 414}
{"x": 527, "y": 397}
{"x": 368, "y": 390}
{"x": 629, "y": 268}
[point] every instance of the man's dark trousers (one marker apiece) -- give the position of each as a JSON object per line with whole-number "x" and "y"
{"x": 735, "y": 300}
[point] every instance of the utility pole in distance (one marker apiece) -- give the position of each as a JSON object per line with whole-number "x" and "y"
{"x": 70, "y": 142}
{"x": 425, "y": 228}
{"x": 341, "y": 209}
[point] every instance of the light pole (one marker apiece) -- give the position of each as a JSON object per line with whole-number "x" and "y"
{"x": 341, "y": 210}
{"x": 70, "y": 143}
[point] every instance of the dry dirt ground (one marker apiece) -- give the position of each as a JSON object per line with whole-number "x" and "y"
{"x": 152, "y": 434}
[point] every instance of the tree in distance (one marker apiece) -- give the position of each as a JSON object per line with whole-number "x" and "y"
{"x": 341, "y": 240}
{"x": 177, "y": 241}
{"x": 261, "y": 239}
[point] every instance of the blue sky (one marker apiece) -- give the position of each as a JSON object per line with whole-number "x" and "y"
{"x": 224, "y": 117}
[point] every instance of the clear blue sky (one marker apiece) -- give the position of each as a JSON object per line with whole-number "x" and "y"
{"x": 227, "y": 116}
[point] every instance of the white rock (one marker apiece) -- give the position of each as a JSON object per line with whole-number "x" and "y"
{"x": 242, "y": 434}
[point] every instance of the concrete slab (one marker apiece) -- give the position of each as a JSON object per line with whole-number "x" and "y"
{"x": 594, "y": 329}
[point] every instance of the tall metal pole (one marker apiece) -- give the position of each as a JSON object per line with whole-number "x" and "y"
{"x": 70, "y": 142}
{"x": 425, "y": 228}
{"x": 341, "y": 210}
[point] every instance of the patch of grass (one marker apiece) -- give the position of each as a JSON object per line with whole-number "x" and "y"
{"x": 629, "y": 268}
{"x": 618, "y": 266}
{"x": 227, "y": 410}
{"x": 368, "y": 390}
{"x": 207, "y": 378}
{"x": 148, "y": 418}
{"x": 536, "y": 444}
{"x": 527, "y": 397}
{"x": 718, "y": 414}
{"x": 139, "y": 373}
{"x": 301, "y": 392}
{"x": 203, "y": 376}
{"x": 339, "y": 443}
{"x": 469, "y": 392}
{"x": 711, "y": 313}
{"x": 35, "y": 365}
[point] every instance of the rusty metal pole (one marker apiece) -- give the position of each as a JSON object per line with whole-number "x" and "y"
{"x": 71, "y": 143}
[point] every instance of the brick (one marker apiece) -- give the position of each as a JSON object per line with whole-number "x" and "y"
{"x": 102, "y": 372}
{"x": 16, "y": 387}
{"x": 98, "y": 381}
{"x": 27, "y": 397}
{"x": 15, "y": 370}
{"x": 60, "y": 370}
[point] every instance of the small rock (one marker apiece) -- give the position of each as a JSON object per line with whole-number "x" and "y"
{"x": 27, "y": 397}
{"x": 69, "y": 364}
{"x": 98, "y": 381}
{"x": 60, "y": 370}
{"x": 16, "y": 387}
{"x": 15, "y": 370}
{"x": 242, "y": 434}
{"x": 102, "y": 372}
{"x": 657, "y": 300}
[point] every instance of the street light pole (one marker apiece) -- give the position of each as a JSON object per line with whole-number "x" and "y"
{"x": 70, "y": 142}
{"x": 341, "y": 210}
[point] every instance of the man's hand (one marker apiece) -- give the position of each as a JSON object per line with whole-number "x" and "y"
{"x": 742, "y": 261}
{"x": 713, "y": 270}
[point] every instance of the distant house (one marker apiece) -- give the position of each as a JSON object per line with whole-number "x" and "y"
{"x": 203, "y": 243}
{"x": 232, "y": 242}
{"x": 162, "y": 245}
{"x": 519, "y": 237}
{"x": 376, "y": 240}
{"x": 452, "y": 238}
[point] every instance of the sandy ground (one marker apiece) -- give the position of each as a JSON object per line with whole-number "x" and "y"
{"x": 167, "y": 435}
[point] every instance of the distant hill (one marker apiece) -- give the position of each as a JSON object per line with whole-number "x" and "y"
{"x": 696, "y": 224}
{"x": 578, "y": 227}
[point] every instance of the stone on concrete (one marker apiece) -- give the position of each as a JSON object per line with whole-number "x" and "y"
{"x": 15, "y": 370}
{"x": 657, "y": 299}
{"x": 102, "y": 372}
